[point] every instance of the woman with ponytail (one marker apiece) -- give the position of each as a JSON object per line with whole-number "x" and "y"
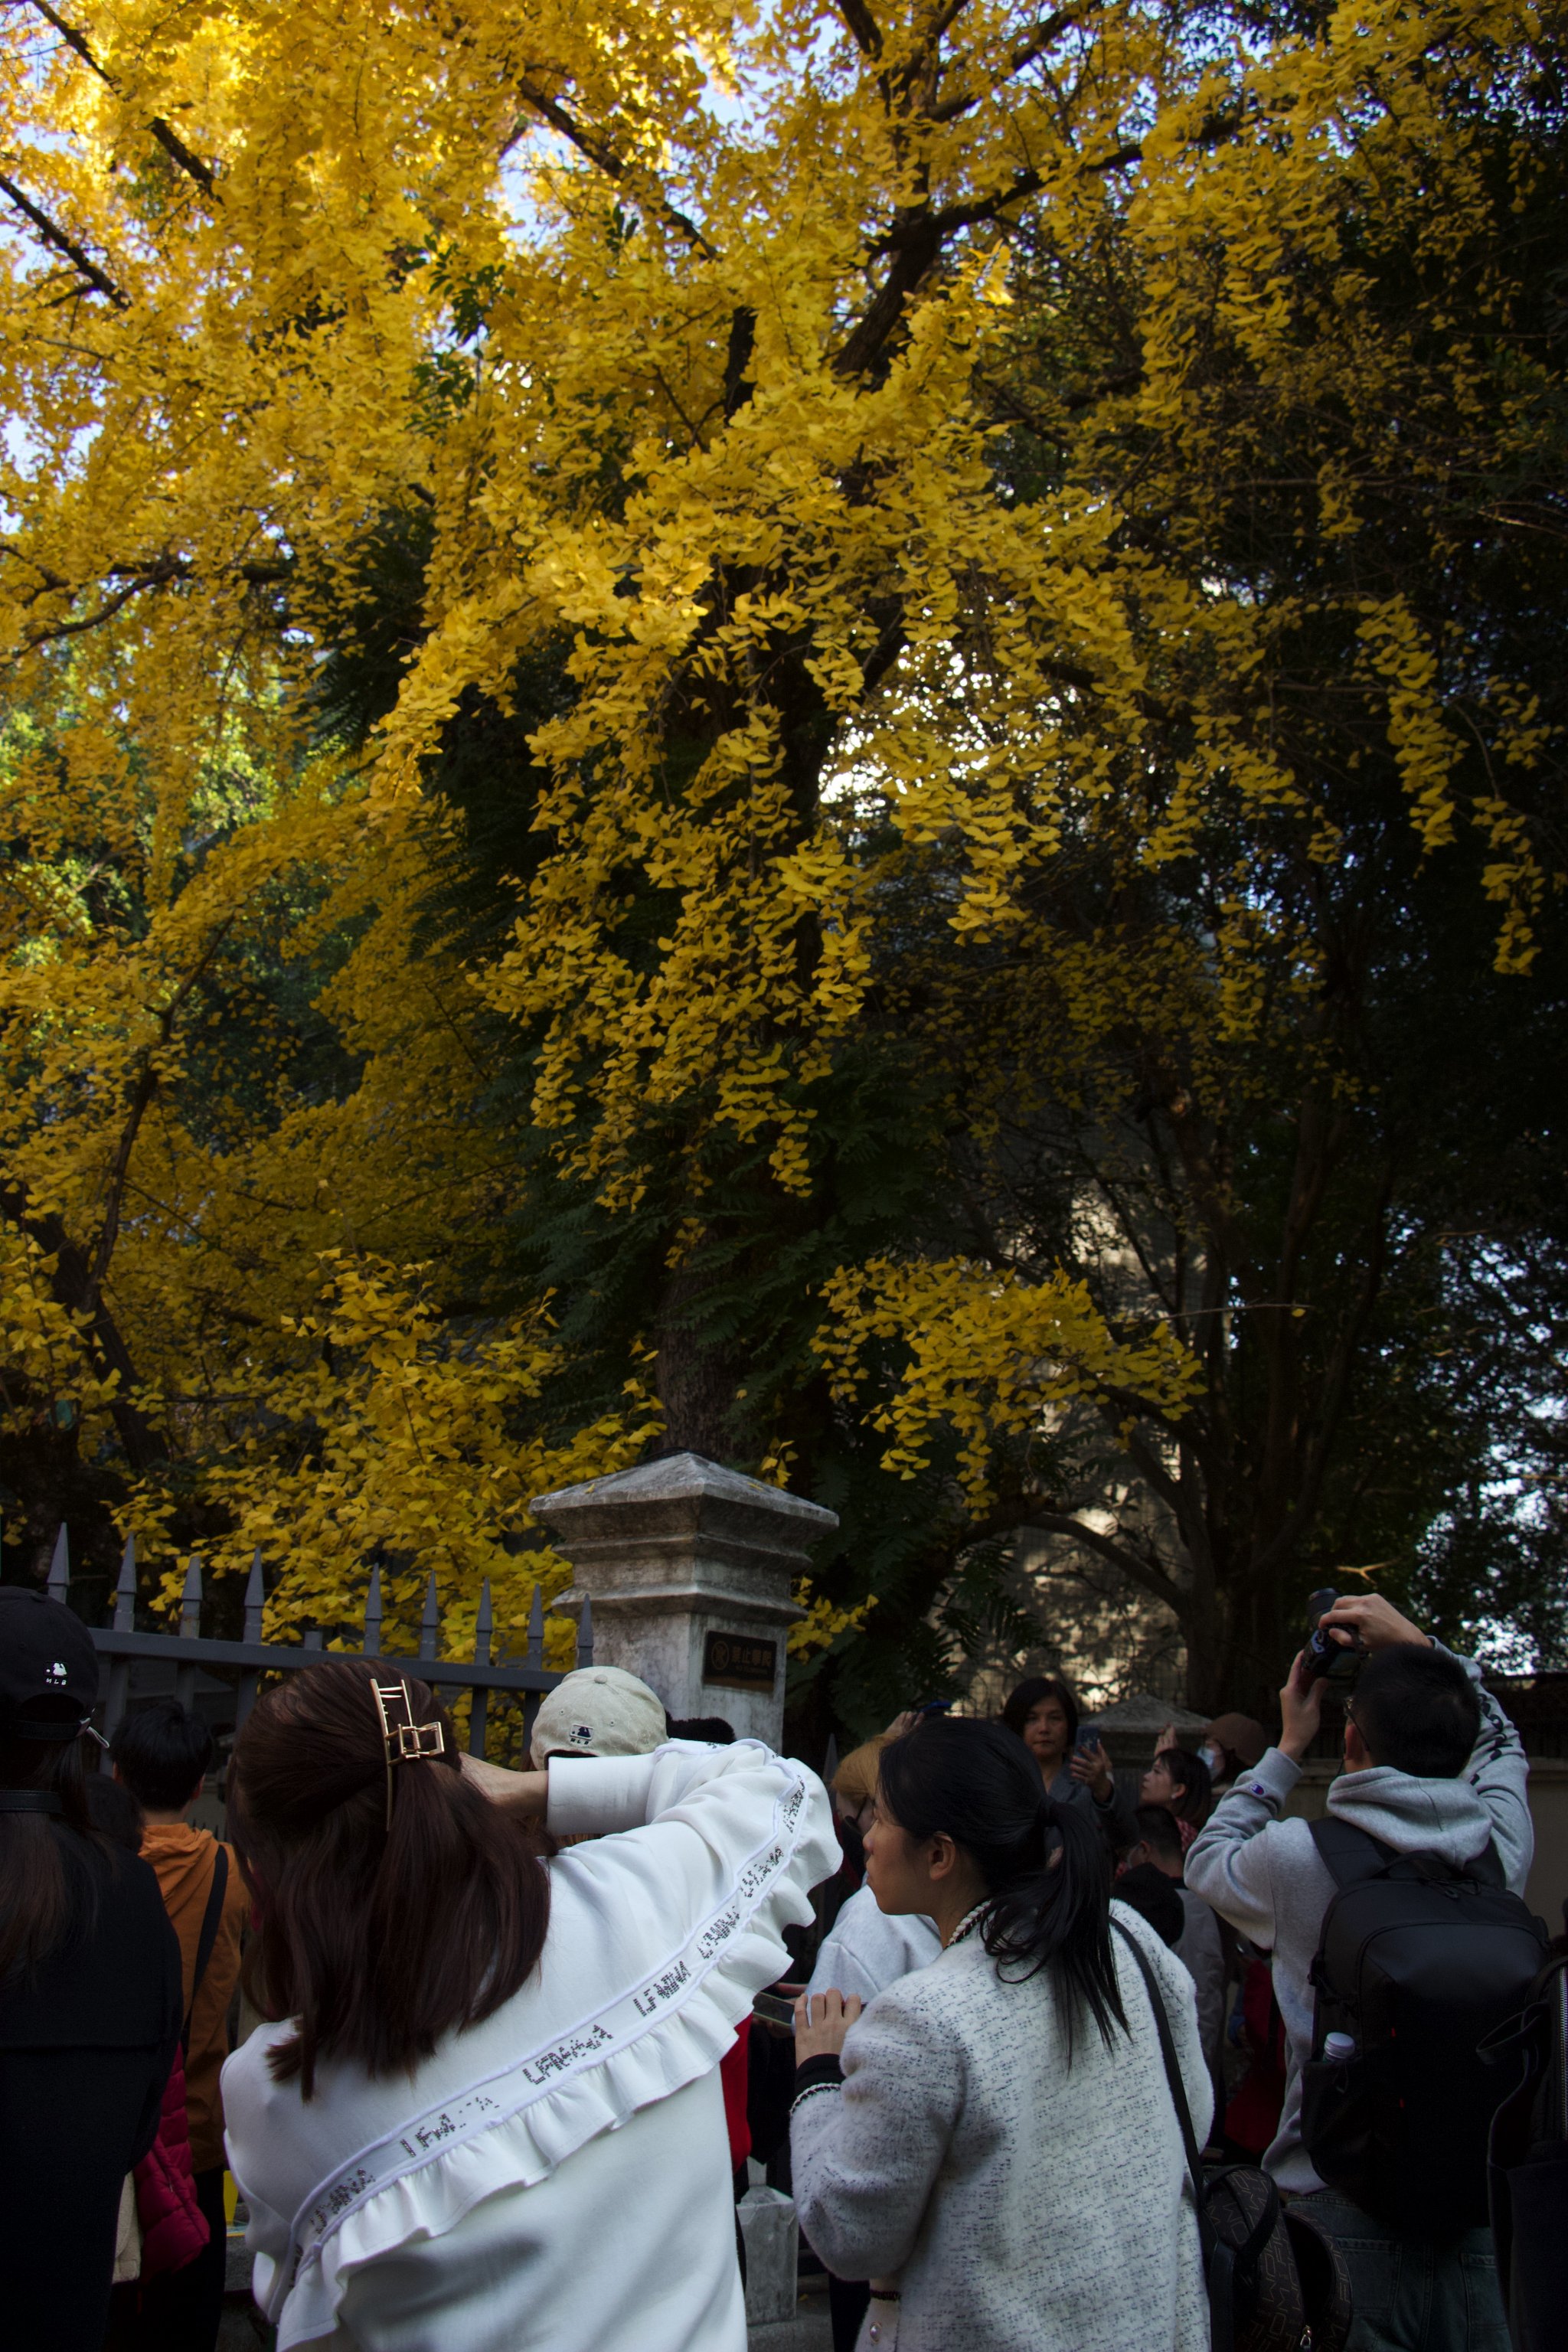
{"x": 992, "y": 2141}
{"x": 487, "y": 2112}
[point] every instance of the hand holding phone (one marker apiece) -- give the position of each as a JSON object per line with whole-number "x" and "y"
{"x": 1090, "y": 1766}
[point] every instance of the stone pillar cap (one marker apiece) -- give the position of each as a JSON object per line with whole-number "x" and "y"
{"x": 1141, "y": 1712}
{"x": 684, "y": 1494}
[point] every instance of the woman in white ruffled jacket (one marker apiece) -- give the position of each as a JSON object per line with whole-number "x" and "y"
{"x": 488, "y": 2119}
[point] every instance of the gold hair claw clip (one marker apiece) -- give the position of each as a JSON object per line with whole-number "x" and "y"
{"x": 406, "y": 1742}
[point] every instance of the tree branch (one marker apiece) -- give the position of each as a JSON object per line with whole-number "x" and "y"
{"x": 1033, "y": 45}
{"x": 1143, "y": 1572}
{"x": 58, "y": 242}
{"x": 69, "y": 1282}
{"x": 147, "y": 1083}
{"x": 594, "y": 151}
{"x": 163, "y": 572}
{"x": 169, "y": 140}
{"x": 863, "y": 27}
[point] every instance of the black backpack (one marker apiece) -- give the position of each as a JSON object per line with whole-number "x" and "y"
{"x": 1418, "y": 1960}
{"x": 1529, "y": 2165}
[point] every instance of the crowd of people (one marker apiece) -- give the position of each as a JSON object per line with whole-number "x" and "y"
{"x": 498, "y": 2068}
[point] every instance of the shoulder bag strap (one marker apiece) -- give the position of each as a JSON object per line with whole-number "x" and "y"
{"x": 1220, "y": 2260}
{"x": 1168, "y": 2052}
{"x": 207, "y": 1938}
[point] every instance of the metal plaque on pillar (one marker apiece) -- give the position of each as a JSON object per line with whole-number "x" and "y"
{"x": 740, "y": 1661}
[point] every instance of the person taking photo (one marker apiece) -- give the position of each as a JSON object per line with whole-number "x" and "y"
{"x": 1429, "y": 1816}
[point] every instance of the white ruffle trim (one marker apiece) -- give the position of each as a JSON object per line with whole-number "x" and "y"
{"x": 735, "y": 1957}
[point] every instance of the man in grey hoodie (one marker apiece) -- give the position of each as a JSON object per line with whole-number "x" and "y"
{"x": 1263, "y": 1874}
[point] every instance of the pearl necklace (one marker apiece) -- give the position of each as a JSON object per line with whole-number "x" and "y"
{"x": 968, "y": 1924}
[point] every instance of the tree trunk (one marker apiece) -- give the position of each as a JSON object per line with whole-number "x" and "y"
{"x": 695, "y": 1376}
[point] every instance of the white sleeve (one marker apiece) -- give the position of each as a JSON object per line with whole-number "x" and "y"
{"x": 686, "y": 1780}
{"x": 722, "y": 1844}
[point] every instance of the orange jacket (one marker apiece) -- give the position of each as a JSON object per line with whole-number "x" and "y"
{"x": 184, "y": 1860}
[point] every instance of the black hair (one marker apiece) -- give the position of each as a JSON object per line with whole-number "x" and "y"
{"x": 1157, "y": 1830}
{"x": 1148, "y": 1891}
{"x": 48, "y": 1887}
{"x": 1193, "y": 1800}
{"x": 1047, "y": 1870}
{"x": 114, "y": 1812}
{"x": 710, "y": 1728}
{"x": 1416, "y": 1710}
{"x": 162, "y": 1753}
{"x": 1022, "y": 1703}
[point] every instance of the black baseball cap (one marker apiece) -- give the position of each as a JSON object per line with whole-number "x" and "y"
{"x": 46, "y": 1656}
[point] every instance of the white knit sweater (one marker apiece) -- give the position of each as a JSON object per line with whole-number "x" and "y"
{"x": 1021, "y": 2203}
{"x": 556, "y": 2179}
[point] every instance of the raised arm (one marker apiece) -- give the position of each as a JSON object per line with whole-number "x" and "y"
{"x": 1499, "y": 1772}
{"x": 713, "y": 1851}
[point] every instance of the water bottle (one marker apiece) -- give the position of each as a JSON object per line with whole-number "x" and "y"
{"x": 1339, "y": 2048}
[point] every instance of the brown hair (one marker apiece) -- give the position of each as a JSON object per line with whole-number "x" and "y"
{"x": 377, "y": 1941}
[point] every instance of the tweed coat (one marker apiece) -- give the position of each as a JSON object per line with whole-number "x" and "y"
{"x": 1021, "y": 2201}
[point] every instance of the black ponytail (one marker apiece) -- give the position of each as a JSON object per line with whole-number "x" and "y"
{"x": 1047, "y": 1870}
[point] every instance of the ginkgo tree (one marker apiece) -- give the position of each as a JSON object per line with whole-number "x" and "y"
{"x": 697, "y": 351}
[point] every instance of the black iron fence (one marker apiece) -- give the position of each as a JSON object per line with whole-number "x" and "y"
{"x": 120, "y": 1647}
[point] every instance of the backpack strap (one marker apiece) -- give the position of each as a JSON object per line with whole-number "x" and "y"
{"x": 1347, "y": 1853}
{"x": 1351, "y": 1855}
{"x": 207, "y": 1938}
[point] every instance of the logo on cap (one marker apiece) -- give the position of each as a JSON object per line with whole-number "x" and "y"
{"x": 56, "y": 1677}
{"x": 582, "y": 1733}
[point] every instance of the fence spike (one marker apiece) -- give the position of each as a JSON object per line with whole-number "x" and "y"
{"x": 585, "y": 1633}
{"x": 483, "y": 1625}
{"x": 312, "y": 1637}
{"x": 125, "y": 1591}
{"x": 254, "y": 1598}
{"x": 536, "y": 1629}
{"x": 830, "y": 1761}
{"x": 191, "y": 1601}
{"x": 372, "y": 1614}
{"x": 430, "y": 1623}
{"x": 60, "y": 1566}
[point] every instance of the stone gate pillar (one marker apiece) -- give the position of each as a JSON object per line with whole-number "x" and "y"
{"x": 689, "y": 1569}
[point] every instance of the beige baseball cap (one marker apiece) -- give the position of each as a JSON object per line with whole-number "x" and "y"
{"x": 598, "y": 1711}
